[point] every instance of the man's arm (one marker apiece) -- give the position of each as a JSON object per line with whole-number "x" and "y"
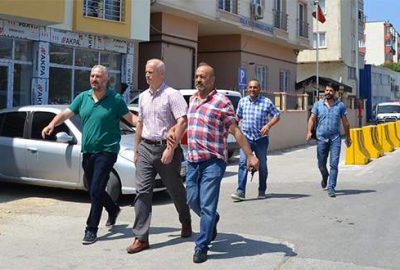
{"x": 265, "y": 129}
{"x": 252, "y": 160}
{"x": 131, "y": 118}
{"x": 138, "y": 138}
{"x": 310, "y": 125}
{"x": 174, "y": 137}
{"x": 57, "y": 120}
{"x": 346, "y": 127}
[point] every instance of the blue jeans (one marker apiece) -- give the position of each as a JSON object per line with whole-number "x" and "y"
{"x": 331, "y": 147}
{"x": 260, "y": 148}
{"x": 203, "y": 181}
{"x": 97, "y": 168}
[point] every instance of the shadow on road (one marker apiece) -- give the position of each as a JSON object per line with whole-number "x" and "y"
{"x": 235, "y": 246}
{"x": 343, "y": 192}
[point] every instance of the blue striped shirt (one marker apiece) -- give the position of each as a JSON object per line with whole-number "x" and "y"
{"x": 328, "y": 119}
{"x": 255, "y": 114}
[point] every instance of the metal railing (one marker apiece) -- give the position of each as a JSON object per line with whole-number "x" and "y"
{"x": 113, "y": 10}
{"x": 228, "y": 5}
{"x": 302, "y": 28}
{"x": 280, "y": 19}
{"x": 288, "y": 101}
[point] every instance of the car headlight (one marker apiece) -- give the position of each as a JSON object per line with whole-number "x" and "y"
{"x": 127, "y": 154}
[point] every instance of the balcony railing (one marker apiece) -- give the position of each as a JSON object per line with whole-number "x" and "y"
{"x": 228, "y": 5}
{"x": 113, "y": 10}
{"x": 302, "y": 28}
{"x": 280, "y": 19}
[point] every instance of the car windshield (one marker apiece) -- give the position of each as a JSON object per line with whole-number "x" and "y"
{"x": 125, "y": 127}
{"x": 389, "y": 108}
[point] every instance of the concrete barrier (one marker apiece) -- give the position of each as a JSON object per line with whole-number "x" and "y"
{"x": 371, "y": 141}
{"x": 384, "y": 138}
{"x": 398, "y": 128}
{"x": 393, "y": 134}
{"x": 357, "y": 154}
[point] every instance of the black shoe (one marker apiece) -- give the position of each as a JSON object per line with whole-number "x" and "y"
{"x": 215, "y": 228}
{"x": 331, "y": 192}
{"x": 200, "y": 256}
{"x": 89, "y": 238}
{"x": 324, "y": 182}
{"x": 113, "y": 218}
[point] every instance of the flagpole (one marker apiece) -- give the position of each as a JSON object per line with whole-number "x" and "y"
{"x": 316, "y": 2}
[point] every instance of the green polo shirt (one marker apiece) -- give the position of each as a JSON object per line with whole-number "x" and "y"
{"x": 100, "y": 121}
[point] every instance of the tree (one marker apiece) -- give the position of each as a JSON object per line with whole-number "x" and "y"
{"x": 393, "y": 66}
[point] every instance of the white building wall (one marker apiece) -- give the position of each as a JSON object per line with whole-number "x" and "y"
{"x": 374, "y": 43}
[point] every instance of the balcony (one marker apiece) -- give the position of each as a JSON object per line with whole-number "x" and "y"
{"x": 105, "y": 9}
{"x": 302, "y": 28}
{"x": 280, "y": 19}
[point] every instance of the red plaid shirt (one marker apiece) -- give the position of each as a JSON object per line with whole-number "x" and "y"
{"x": 208, "y": 126}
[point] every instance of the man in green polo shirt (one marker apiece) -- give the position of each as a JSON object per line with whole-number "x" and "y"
{"x": 100, "y": 110}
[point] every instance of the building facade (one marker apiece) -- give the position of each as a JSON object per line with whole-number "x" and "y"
{"x": 339, "y": 57}
{"x": 381, "y": 43}
{"x": 241, "y": 39}
{"x": 47, "y": 48}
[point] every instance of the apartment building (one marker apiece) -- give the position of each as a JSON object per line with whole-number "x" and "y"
{"x": 381, "y": 43}
{"x": 339, "y": 57}
{"x": 48, "y": 47}
{"x": 242, "y": 39}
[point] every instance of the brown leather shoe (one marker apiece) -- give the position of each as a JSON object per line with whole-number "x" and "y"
{"x": 137, "y": 246}
{"x": 186, "y": 230}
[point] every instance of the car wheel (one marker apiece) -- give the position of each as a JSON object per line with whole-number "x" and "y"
{"x": 114, "y": 187}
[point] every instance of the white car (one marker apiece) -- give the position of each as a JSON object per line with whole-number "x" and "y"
{"x": 387, "y": 112}
{"x": 234, "y": 97}
{"x": 56, "y": 161}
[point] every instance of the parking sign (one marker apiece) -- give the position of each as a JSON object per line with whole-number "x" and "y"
{"x": 242, "y": 78}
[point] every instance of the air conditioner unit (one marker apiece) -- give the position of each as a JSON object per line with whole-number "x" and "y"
{"x": 257, "y": 10}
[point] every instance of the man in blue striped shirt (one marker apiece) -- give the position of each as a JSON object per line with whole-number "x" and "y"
{"x": 328, "y": 113}
{"x": 257, "y": 114}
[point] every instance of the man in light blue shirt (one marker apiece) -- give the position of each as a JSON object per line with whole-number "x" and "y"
{"x": 257, "y": 114}
{"x": 327, "y": 114}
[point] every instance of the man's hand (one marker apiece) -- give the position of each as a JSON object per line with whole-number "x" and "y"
{"x": 47, "y": 130}
{"x": 171, "y": 138}
{"x": 348, "y": 141}
{"x": 265, "y": 130}
{"x": 253, "y": 162}
{"x": 167, "y": 155}
{"x": 308, "y": 135}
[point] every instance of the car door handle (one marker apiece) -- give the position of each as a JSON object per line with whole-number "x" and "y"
{"x": 31, "y": 149}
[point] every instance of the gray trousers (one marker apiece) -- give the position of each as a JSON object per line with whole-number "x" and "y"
{"x": 147, "y": 166}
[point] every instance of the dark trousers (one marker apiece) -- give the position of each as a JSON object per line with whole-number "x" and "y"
{"x": 97, "y": 168}
{"x": 147, "y": 167}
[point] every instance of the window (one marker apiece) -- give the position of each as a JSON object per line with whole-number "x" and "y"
{"x": 40, "y": 121}
{"x": 284, "y": 80}
{"x": 322, "y": 5}
{"x": 322, "y": 39}
{"x": 6, "y": 46}
{"x": 70, "y": 71}
{"x": 351, "y": 73}
{"x": 22, "y": 84}
{"x": 261, "y": 76}
{"x": 228, "y": 5}
{"x": 12, "y": 124}
{"x": 302, "y": 21}
{"x": 113, "y": 10}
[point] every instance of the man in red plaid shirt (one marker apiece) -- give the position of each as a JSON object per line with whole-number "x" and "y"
{"x": 210, "y": 118}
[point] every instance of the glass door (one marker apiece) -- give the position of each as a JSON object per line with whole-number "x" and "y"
{"x": 5, "y": 85}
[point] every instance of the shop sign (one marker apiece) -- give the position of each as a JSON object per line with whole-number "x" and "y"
{"x": 247, "y": 22}
{"x": 44, "y": 33}
{"x": 44, "y": 58}
{"x": 129, "y": 68}
{"x": 39, "y": 91}
{"x": 115, "y": 45}
{"x": 20, "y": 30}
{"x": 65, "y": 38}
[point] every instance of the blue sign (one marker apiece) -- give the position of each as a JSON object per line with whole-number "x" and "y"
{"x": 242, "y": 78}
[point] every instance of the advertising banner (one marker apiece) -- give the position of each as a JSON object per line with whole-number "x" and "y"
{"x": 40, "y": 93}
{"x": 43, "y": 60}
{"x": 20, "y": 30}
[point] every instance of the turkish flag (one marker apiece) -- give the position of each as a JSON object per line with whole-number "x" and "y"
{"x": 321, "y": 16}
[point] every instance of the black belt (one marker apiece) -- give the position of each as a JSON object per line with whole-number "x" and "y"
{"x": 156, "y": 143}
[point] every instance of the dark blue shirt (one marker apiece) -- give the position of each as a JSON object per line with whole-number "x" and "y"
{"x": 328, "y": 119}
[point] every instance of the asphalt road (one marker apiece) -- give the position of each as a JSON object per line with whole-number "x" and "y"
{"x": 297, "y": 227}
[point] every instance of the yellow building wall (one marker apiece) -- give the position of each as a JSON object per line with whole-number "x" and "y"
{"x": 45, "y": 11}
{"x": 102, "y": 26}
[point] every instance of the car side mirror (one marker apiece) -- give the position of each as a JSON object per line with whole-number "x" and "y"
{"x": 63, "y": 137}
